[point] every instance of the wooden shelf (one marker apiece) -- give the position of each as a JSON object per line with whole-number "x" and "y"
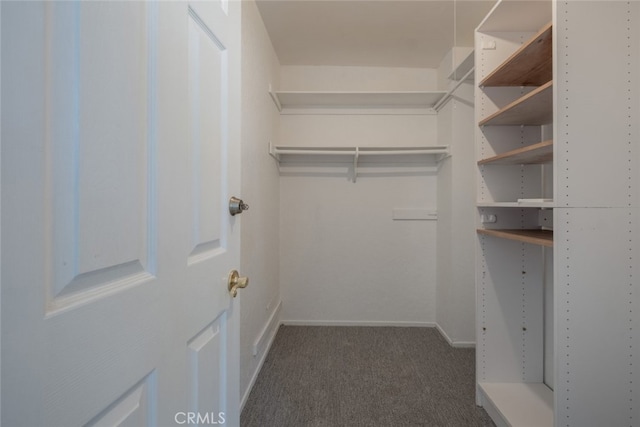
{"x": 531, "y": 65}
{"x": 535, "y": 154}
{"x": 536, "y": 237}
{"x": 519, "y": 404}
{"x": 534, "y": 108}
{"x": 310, "y": 99}
{"x": 512, "y": 199}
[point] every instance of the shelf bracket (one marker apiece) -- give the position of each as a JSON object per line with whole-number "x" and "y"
{"x": 276, "y": 100}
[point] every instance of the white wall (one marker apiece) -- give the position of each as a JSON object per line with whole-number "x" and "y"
{"x": 343, "y": 259}
{"x": 260, "y": 189}
{"x": 346, "y": 261}
{"x": 455, "y": 312}
{"x": 304, "y": 77}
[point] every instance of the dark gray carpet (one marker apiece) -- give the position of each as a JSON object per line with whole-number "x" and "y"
{"x": 364, "y": 376}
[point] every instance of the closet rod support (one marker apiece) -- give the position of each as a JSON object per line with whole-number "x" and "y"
{"x": 449, "y": 94}
{"x": 273, "y": 153}
{"x": 276, "y": 100}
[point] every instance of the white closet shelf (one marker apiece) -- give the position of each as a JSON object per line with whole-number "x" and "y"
{"x": 439, "y": 152}
{"x": 357, "y": 100}
{"x": 353, "y": 155}
{"x": 519, "y": 404}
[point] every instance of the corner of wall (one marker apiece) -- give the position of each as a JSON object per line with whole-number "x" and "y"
{"x": 260, "y": 305}
{"x": 455, "y": 294}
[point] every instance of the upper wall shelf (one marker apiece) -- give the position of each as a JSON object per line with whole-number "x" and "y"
{"x": 286, "y": 100}
{"x": 534, "y": 108}
{"x": 531, "y": 65}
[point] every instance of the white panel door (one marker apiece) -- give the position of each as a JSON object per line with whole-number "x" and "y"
{"x": 119, "y": 152}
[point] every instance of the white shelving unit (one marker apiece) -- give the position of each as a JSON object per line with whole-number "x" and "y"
{"x": 557, "y": 336}
{"x": 529, "y": 66}
{"x": 354, "y": 155}
{"x": 514, "y": 113}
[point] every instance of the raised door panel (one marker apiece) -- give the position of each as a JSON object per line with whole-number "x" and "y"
{"x": 207, "y": 137}
{"x": 135, "y": 408}
{"x": 99, "y": 146}
{"x": 207, "y": 371}
{"x": 78, "y": 190}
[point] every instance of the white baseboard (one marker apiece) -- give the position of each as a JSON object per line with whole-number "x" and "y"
{"x": 264, "y": 341}
{"x": 269, "y": 331}
{"x": 356, "y": 323}
{"x": 452, "y": 343}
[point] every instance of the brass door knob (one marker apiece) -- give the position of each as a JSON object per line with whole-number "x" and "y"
{"x": 236, "y": 282}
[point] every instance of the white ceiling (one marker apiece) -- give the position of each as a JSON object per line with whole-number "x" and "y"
{"x": 385, "y": 33}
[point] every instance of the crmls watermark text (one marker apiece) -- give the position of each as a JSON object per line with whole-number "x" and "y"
{"x": 198, "y": 418}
